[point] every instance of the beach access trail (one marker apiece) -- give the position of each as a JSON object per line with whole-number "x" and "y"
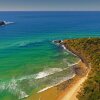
{"x": 71, "y": 92}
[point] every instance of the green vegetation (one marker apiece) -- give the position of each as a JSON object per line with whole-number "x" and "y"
{"x": 89, "y": 50}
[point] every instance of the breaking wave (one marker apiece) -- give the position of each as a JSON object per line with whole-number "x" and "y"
{"x": 57, "y": 83}
{"x": 42, "y": 74}
{"x": 48, "y": 72}
{"x": 13, "y": 86}
{"x": 8, "y": 22}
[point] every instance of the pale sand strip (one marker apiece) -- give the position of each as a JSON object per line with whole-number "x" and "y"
{"x": 71, "y": 93}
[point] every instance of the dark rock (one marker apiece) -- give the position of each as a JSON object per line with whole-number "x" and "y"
{"x": 57, "y": 41}
{"x": 2, "y": 23}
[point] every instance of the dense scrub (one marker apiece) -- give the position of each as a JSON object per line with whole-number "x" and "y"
{"x": 89, "y": 50}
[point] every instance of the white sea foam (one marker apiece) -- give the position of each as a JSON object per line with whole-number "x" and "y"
{"x": 8, "y": 22}
{"x": 74, "y": 63}
{"x": 27, "y": 77}
{"x": 70, "y": 76}
{"x": 63, "y": 79}
{"x": 13, "y": 85}
{"x": 48, "y": 72}
{"x": 68, "y": 50}
{"x": 42, "y": 74}
{"x": 64, "y": 47}
{"x": 13, "y": 88}
{"x": 23, "y": 95}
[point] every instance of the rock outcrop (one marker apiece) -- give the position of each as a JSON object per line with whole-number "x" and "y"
{"x": 2, "y": 23}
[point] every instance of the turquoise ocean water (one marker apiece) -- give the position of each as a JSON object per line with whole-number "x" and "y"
{"x": 29, "y": 61}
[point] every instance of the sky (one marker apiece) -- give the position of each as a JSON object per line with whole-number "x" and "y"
{"x": 49, "y": 5}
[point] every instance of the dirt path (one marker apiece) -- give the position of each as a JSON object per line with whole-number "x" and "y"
{"x": 71, "y": 92}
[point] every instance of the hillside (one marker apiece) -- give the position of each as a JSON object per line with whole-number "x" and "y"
{"x": 88, "y": 49}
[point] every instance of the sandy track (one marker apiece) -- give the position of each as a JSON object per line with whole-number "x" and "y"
{"x": 71, "y": 93}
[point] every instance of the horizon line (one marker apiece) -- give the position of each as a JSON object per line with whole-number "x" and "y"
{"x": 51, "y": 10}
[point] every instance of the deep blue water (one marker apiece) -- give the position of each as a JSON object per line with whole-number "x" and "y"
{"x": 35, "y": 23}
{"x": 27, "y": 51}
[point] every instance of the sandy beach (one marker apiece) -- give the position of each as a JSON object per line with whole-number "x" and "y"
{"x": 66, "y": 90}
{"x": 70, "y": 93}
{"x": 72, "y": 90}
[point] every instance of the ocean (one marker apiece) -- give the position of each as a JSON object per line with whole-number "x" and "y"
{"x": 29, "y": 60}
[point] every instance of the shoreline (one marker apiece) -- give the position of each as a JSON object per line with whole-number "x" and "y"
{"x": 68, "y": 78}
{"x": 71, "y": 92}
{"x": 73, "y": 89}
{"x": 45, "y": 89}
{"x": 61, "y": 90}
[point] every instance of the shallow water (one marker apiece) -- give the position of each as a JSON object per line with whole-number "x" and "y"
{"x": 29, "y": 61}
